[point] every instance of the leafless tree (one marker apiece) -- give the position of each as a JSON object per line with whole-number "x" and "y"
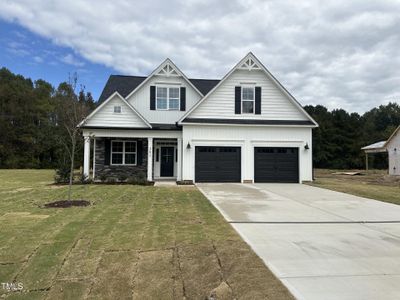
{"x": 70, "y": 112}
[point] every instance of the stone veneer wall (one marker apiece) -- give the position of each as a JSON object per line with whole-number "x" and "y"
{"x": 115, "y": 171}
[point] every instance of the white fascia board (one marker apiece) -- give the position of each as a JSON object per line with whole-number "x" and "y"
{"x": 248, "y": 125}
{"x": 392, "y": 136}
{"x": 108, "y": 100}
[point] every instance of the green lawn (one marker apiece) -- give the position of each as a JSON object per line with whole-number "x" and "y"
{"x": 134, "y": 242}
{"x": 375, "y": 184}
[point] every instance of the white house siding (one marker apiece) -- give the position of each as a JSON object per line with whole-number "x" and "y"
{"x": 247, "y": 138}
{"x": 275, "y": 105}
{"x": 141, "y": 100}
{"x": 394, "y": 155}
{"x": 106, "y": 117}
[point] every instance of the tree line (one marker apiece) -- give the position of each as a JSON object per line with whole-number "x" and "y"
{"x": 31, "y": 116}
{"x": 338, "y": 140}
{"x": 31, "y": 135}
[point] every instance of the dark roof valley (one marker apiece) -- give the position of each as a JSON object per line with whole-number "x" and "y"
{"x": 124, "y": 85}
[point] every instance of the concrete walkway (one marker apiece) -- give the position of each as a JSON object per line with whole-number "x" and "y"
{"x": 321, "y": 244}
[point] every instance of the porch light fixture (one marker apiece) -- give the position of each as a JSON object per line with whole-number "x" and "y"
{"x": 188, "y": 146}
{"x": 306, "y": 147}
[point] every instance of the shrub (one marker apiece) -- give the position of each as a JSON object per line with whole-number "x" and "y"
{"x": 62, "y": 172}
{"x": 103, "y": 177}
{"x": 139, "y": 179}
{"x": 111, "y": 180}
{"x": 122, "y": 178}
{"x": 84, "y": 178}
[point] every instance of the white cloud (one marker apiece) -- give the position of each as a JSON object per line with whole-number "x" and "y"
{"x": 336, "y": 53}
{"x": 71, "y": 60}
{"x": 38, "y": 59}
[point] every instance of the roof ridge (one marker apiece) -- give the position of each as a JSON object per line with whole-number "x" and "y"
{"x": 119, "y": 75}
{"x": 142, "y": 76}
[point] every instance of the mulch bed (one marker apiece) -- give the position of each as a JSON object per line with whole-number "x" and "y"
{"x": 66, "y": 203}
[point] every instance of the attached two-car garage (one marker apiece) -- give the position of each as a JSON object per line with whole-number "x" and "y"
{"x": 223, "y": 164}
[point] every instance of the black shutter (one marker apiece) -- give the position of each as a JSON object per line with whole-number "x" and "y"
{"x": 139, "y": 153}
{"x": 257, "y": 108}
{"x": 152, "y": 97}
{"x": 107, "y": 151}
{"x": 238, "y": 96}
{"x": 183, "y": 99}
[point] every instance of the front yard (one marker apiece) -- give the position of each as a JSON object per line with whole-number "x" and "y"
{"x": 375, "y": 184}
{"x": 134, "y": 242}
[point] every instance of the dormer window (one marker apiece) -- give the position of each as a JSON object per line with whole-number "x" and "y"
{"x": 248, "y": 99}
{"x": 117, "y": 109}
{"x": 167, "y": 98}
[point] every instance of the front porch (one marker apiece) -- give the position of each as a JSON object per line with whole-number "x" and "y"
{"x": 125, "y": 155}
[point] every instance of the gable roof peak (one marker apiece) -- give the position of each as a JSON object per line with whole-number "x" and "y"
{"x": 166, "y": 68}
{"x": 249, "y": 62}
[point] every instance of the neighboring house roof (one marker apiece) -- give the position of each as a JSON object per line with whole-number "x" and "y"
{"x": 375, "y": 147}
{"x": 381, "y": 146}
{"x": 124, "y": 85}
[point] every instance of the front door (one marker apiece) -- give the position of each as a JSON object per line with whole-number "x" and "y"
{"x": 167, "y": 162}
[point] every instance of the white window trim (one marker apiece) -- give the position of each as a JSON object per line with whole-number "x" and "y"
{"x": 179, "y": 97}
{"x": 241, "y": 99}
{"x": 123, "y": 153}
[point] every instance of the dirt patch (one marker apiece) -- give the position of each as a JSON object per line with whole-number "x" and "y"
{"x": 66, "y": 203}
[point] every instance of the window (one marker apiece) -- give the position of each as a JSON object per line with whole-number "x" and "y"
{"x": 162, "y": 98}
{"x": 167, "y": 98}
{"x": 123, "y": 152}
{"x": 248, "y": 100}
{"x": 117, "y": 109}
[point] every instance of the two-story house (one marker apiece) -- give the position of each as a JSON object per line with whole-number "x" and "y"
{"x": 245, "y": 127}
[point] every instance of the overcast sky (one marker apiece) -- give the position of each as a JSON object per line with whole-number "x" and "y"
{"x": 342, "y": 54}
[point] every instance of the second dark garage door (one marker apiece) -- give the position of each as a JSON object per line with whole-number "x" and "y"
{"x": 217, "y": 164}
{"x": 276, "y": 164}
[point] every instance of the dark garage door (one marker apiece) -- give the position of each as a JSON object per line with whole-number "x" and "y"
{"x": 276, "y": 164}
{"x": 217, "y": 164}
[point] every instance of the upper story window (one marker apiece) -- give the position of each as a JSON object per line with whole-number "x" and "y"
{"x": 248, "y": 99}
{"x": 123, "y": 152}
{"x": 117, "y": 109}
{"x": 167, "y": 98}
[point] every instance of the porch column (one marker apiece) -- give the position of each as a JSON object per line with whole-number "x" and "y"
{"x": 94, "y": 158}
{"x": 86, "y": 156}
{"x": 179, "y": 154}
{"x": 150, "y": 159}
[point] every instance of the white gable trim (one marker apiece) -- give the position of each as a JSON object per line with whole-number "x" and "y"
{"x": 108, "y": 100}
{"x": 392, "y": 136}
{"x": 250, "y": 61}
{"x": 159, "y": 71}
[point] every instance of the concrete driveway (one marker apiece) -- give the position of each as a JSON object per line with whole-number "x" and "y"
{"x": 321, "y": 244}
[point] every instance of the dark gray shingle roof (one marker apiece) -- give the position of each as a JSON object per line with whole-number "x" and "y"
{"x": 126, "y": 84}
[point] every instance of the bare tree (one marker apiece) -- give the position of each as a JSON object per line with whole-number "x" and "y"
{"x": 70, "y": 112}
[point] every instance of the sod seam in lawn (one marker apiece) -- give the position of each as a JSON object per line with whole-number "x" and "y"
{"x": 139, "y": 242}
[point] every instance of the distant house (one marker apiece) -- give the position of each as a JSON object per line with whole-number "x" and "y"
{"x": 392, "y": 147}
{"x": 245, "y": 127}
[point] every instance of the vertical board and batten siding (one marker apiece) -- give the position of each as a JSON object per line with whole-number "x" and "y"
{"x": 394, "y": 155}
{"x": 141, "y": 100}
{"x": 247, "y": 137}
{"x": 106, "y": 117}
{"x": 275, "y": 105}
